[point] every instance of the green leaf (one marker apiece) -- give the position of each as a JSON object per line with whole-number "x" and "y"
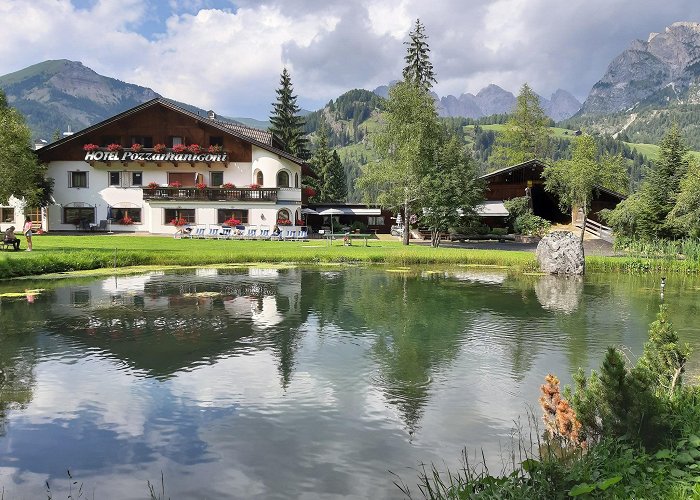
{"x": 581, "y": 489}
{"x": 677, "y": 473}
{"x": 604, "y": 485}
{"x": 694, "y": 440}
{"x": 530, "y": 465}
{"x": 684, "y": 458}
{"x": 694, "y": 453}
{"x": 663, "y": 454}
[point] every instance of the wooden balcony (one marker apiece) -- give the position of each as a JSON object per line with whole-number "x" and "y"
{"x": 210, "y": 194}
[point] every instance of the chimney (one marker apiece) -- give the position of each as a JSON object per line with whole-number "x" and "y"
{"x": 211, "y": 115}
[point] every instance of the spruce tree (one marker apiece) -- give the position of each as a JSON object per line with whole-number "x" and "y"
{"x": 287, "y": 125}
{"x": 335, "y": 181}
{"x": 419, "y": 69}
{"x": 320, "y": 162}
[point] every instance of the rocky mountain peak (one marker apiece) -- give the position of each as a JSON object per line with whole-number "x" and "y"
{"x": 657, "y": 71}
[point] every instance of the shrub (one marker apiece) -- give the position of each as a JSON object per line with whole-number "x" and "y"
{"x": 499, "y": 231}
{"x": 530, "y": 224}
{"x": 359, "y": 226}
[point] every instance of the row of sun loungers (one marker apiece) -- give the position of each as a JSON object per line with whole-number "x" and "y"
{"x": 245, "y": 233}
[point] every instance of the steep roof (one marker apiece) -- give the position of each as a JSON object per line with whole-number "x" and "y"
{"x": 260, "y": 138}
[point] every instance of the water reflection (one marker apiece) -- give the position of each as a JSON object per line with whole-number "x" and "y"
{"x": 292, "y": 382}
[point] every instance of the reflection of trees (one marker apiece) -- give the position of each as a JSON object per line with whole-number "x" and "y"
{"x": 18, "y": 355}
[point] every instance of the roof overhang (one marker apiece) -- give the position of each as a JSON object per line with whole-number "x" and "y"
{"x": 492, "y": 209}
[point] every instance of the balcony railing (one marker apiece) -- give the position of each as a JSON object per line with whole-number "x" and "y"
{"x": 210, "y": 194}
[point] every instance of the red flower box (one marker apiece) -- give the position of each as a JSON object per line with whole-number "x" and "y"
{"x": 160, "y": 148}
{"x": 179, "y": 148}
{"x": 228, "y": 185}
{"x": 136, "y": 147}
{"x": 231, "y": 222}
{"x": 177, "y": 222}
{"x": 215, "y": 148}
{"x": 194, "y": 149}
{"x": 114, "y": 147}
{"x": 175, "y": 184}
{"x": 91, "y": 147}
{"x": 200, "y": 185}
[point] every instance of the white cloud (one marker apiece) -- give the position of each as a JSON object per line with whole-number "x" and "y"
{"x": 229, "y": 59}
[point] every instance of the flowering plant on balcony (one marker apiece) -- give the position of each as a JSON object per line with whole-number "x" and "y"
{"x": 136, "y": 147}
{"x": 194, "y": 149}
{"x": 200, "y": 185}
{"x": 153, "y": 185}
{"x": 309, "y": 191}
{"x": 178, "y": 221}
{"x": 114, "y": 147}
{"x": 284, "y": 222}
{"x": 126, "y": 220}
{"x": 255, "y": 186}
{"x": 231, "y": 222}
{"x": 300, "y": 222}
{"x": 175, "y": 184}
{"x": 228, "y": 185}
{"x": 179, "y": 148}
{"x": 215, "y": 148}
{"x": 91, "y": 147}
{"x": 160, "y": 148}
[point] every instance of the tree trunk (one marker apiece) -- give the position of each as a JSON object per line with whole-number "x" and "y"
{"x": 435, "y": 238}
{"x": 583, "y": 226}
{"x": 406, "y": 224}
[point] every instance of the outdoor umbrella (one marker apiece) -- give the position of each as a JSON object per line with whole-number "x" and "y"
{"x": 331, "y": 212}
{"x": 308, "y": 211}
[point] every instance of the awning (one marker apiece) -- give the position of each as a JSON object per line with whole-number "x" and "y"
{"x": 492, "y": 209}
{"x": 353, "y": 210}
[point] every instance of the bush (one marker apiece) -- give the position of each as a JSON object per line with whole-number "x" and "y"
{"x": 359, "y": 226}
{"x": 499, "y": 231}
{"x": 530, "y": 224}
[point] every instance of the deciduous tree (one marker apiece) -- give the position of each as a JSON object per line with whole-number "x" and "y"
{"x": 575, "y": 181}
{"x": 526, "y": 134}
{"x": 20, "y": 173}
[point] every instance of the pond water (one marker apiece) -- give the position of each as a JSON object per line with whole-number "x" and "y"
{"x": 293, "y": 383}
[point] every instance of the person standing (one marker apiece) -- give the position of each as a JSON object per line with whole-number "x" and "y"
{"x": 27, "y": 230}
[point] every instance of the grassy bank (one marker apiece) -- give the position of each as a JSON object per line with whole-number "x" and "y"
{"x": 53, "y": 254}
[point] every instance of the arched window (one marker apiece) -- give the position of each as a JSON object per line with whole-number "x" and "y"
{"x": 282, "y": 179}
{"x": 296, "y": 180}
{"x": 259, "y": 178}
{"x": 283, "y": 216}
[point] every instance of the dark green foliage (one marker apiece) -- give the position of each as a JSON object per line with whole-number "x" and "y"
{"x": 523, "y": 220}
{"x": 285, "y": 121}
{"x": 418, "y": 69}
{"x": 645, "y": 214}
{"x": 335, "y": 182}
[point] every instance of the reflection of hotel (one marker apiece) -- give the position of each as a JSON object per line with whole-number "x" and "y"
{"x": 157, "y": 162}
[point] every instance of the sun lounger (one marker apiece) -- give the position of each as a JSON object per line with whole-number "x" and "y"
{"x": 251, "y": 232}
{"x": 198, "y": 232}
{"x": 225, "y": 233}
{"x": 213, "y": 232}
{"x": 264, "y": 233}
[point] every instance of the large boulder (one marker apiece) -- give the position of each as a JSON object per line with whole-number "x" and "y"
{"x": 561, "y": 252}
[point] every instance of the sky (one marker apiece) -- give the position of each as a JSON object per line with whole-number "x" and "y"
{"x": 228, "y": 55}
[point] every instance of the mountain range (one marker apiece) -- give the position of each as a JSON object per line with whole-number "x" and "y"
{"x": 648, "y": 85}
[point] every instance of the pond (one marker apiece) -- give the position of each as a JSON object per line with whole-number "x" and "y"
{"x": 294, "y": 383}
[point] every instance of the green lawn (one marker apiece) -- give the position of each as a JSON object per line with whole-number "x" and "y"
{"x": 70, "y": 253}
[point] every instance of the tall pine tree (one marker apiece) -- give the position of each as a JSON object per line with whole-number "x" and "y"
{"x": 287, "y": 125}
{"x": 335, "y": 181}
{"x": 320, "y": 161}
{"x": 419, "y": 69}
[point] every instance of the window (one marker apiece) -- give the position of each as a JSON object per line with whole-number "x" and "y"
{"x": 174, "y": 141}
{"x": 259, "y": 178}
{"x": 145, "y": 141}
{"x": 186, "y": 179}
{"x": 282, "y": 179}
{"x": 224, "y": 214}
{"x": 106, "y": 140}
{"x": 296, "y": 180}
{"x": 373, "y": 220}
{"x": 137, "y": 178}
{"x": 283, "y": 215}
{"x": 7, "y": 214}
{"x": 216, "y": 141}
{"x": 120, "y": 214}
{"x": 178, "y": 213}
{"x": 34, "y": 214}
{"x": 77, "y": 179}
{"x": 216, "y": 178}
{"x": 79, "y": 216}
{"x": 115, "y": 178}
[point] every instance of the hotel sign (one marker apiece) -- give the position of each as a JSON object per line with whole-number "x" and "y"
{"x": 154, "y": 157}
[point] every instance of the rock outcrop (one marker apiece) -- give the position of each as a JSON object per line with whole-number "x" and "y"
{"x": 663, "y": 69}
{"x": 561, "y": 252}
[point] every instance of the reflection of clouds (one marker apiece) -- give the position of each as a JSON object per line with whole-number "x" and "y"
{"x": 490, "y": 278}
{"x": 559, "y": 293}
{"x": 125, "y": 284}
{"x": 206, "y": 272}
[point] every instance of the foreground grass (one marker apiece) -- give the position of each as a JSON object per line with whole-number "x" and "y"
{"x": 55, "y": 254}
